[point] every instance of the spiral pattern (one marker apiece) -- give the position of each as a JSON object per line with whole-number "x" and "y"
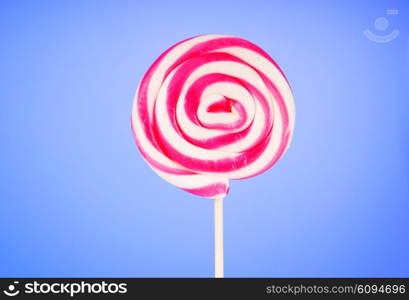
{"x": 212, "y": 108}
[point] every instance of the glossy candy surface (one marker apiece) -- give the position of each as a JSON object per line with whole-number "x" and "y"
{"x": 212, "y": 108}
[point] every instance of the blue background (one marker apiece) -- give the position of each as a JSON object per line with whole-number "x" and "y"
{"x": 78, "y": 200}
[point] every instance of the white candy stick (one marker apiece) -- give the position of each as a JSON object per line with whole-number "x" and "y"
{"x": 218, "y": 238}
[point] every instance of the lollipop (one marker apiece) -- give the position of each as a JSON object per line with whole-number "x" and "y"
{"x": 212, "y": 108}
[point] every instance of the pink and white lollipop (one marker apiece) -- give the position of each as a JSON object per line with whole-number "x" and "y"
{"x": 212, "y": 108}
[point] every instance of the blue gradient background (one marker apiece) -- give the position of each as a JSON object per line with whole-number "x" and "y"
{"x": 78, "y": 200}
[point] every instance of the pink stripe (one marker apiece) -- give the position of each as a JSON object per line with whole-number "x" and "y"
{"x": 225, "y": 42}
{"x": 142, "y": 97}
{"x": 193, "y": 97}
{"x": 226, "y": 105}
{"x": 156, "y": 164}
{"x": 214, "y": 166}
{"x": 176, "y": 85}
{"x": 209, "y": 190}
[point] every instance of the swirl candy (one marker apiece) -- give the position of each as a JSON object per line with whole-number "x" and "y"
{"x": 210, "y": 109}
